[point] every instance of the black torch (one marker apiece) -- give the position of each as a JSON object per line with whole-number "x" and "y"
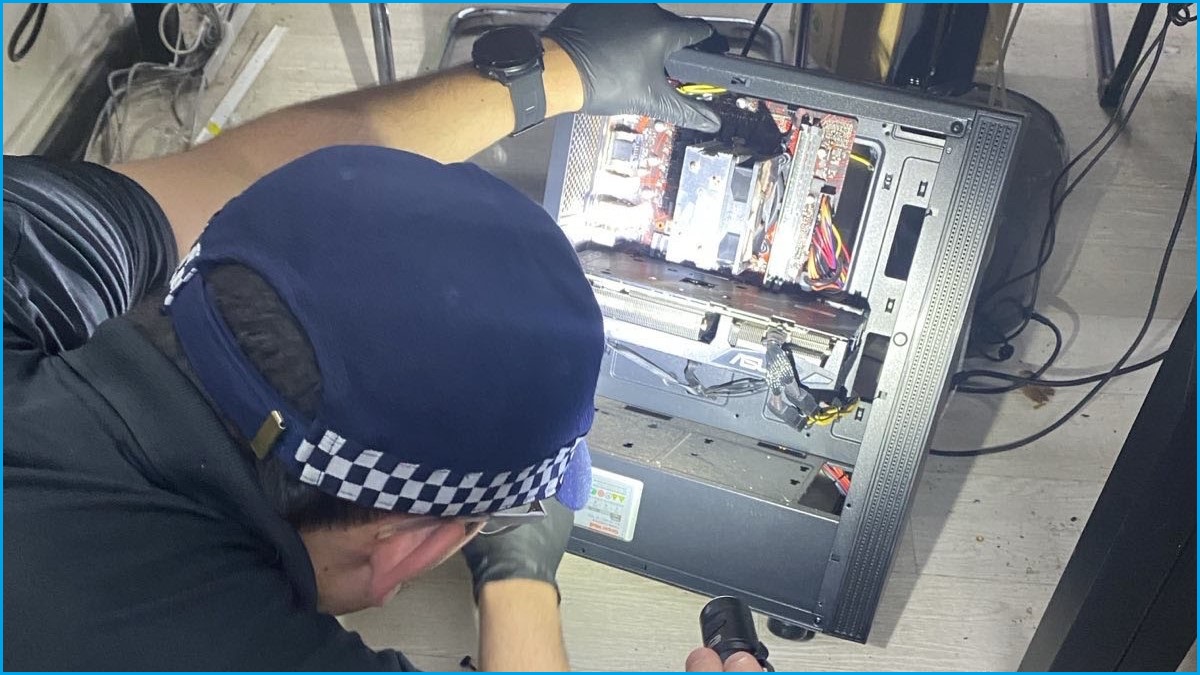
{"x": 727, "y": 627}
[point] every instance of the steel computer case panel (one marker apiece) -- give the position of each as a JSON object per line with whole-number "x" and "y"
{"x": 783, "y": 311}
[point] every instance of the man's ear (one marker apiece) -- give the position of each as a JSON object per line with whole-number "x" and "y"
{"x": 401, "y": 553}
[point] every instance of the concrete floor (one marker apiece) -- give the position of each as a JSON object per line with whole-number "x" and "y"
{"x": 988, "y": 537}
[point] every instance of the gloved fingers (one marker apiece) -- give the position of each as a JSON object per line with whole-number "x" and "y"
{"x": 691, "y": 113}
{"x": 561, "y": 520}
{"x": 698, "y": 116}
{"x": 567, "y": 15}
{"x": 690, "y": 32}
{"x": 685, "y": 111}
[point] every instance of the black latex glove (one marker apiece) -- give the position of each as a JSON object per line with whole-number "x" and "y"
{"x": 531, "y": 551}
{"x": 621, "y": 53}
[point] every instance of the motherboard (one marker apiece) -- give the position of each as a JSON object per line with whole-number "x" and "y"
{"x": 758, "y": 200}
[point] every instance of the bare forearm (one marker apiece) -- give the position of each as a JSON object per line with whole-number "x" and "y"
{"x": 447, "y": 116}
{"x": 519, "y": 627}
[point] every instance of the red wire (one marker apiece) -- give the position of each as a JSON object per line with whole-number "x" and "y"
{"x": 830, "y": 253}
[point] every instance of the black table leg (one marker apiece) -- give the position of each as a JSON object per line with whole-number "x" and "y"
{"x": 1127, "y": 598}
{"x": 1103, "y": 42}
{"x": 1113, "y": 81}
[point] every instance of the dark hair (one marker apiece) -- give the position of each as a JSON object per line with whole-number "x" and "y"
{"x": 276, "y": 345}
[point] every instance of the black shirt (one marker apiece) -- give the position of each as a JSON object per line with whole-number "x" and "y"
{"x": 135, "y": 532}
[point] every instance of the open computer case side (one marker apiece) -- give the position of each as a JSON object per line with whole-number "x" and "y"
{"x": 828, "y": 573}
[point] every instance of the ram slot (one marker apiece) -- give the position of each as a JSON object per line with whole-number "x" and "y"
{"x": 797, "y": 217}
{"x": 677, "y": 321}
{"x": 814, "y": 347}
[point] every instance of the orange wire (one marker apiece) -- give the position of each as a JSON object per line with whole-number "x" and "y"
{"x": 827, "y": 242}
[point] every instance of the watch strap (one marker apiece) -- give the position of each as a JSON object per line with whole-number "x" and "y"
{"x": 528, "y": 98}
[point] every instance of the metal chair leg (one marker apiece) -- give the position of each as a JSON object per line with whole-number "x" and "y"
{"x": 381, "y": 33}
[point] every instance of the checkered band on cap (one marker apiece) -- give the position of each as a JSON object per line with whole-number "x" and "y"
{"x": 390, "y": 447}
{"x": 373, "y": 479}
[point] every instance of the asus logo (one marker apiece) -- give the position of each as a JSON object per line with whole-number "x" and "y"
{"x": 749, "y": 362}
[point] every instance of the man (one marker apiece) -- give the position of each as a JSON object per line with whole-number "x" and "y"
{"x": 366, "y": 359}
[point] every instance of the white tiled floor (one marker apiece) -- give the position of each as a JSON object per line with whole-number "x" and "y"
{"x": 988, "y": 537}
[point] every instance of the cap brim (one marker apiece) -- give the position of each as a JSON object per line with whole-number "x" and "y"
{"x": 576, "y": 486}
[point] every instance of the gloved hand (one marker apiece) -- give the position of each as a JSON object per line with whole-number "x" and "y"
{"x": 531, "y": 551}
{"x": 621, "y": 53}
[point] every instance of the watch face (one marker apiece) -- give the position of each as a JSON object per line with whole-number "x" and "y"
{"x": 505, "y": 49}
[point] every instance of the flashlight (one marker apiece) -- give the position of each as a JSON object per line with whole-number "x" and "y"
{"x": 727, "y": 627}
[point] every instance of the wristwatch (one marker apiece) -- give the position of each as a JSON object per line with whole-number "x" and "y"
{"x": 513, "y": 57}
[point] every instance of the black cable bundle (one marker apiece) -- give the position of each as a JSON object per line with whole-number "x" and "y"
{"x": 1117, "y": 369}
{"x": 35, "y": 13}
{"x": 1178, "y": 15}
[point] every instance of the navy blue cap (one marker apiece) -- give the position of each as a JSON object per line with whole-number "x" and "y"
{"x": 457, "y": 338}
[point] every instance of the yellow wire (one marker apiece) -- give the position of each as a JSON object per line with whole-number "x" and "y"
{"x": 827, "y": 214}
{"x": 862, "y": 160}
{"x": 841, "y": 248}
{"x": 689, "y": 89}
{"x": 832, "y": 414}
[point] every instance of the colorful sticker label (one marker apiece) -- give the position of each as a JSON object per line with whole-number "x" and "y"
{"x": 613, "y": 506}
